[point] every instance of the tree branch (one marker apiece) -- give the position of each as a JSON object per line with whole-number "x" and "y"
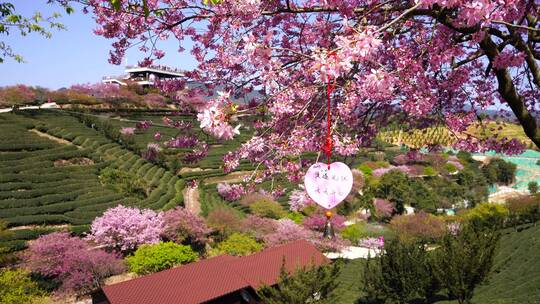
{"x": 510, "y": 95}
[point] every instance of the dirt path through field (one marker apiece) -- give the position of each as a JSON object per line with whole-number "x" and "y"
{"x": 234, "y": 177}
{"x": 191, "y": 199}
{"x": 53, "y": 138}
{"x": 58, "y": 227}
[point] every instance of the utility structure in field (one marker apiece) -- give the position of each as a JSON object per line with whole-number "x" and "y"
{"x": 144, "y": 76}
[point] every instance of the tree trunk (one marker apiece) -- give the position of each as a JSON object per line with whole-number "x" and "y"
{"x": 510, "y": 95}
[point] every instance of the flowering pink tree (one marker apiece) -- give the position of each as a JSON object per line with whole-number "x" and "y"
{"x": 182, "y": 225}
{"x": 71, "y": 262}
{"x": 372, "y": 242}
{"x": 436, "y": 62}
{"x": 383, "y": 208}
{"x": 317, "y": 220}
{"x": 258, "y": 226}
{"x": 287, "y": 231}
{"x": 299, "y": 199}
{"x": 230, "y": 192}
{"x": 125, "y": 228}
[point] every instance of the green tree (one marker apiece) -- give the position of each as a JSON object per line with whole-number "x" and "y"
{"x": 16, "y": 287}
{"x": 465, "y": 260}
{"x": 403, "y": 273}
{"x": 395, "y": 187}
{"x": 533, "y": 187}
{"x": 488, "y": 215}
{"x": 474, "y": 185}
{"x": 423, "y": 197}
{"x": 13, "y": 22}
{"x": 153, "y": 258}
{"x": 499, "y": 171}
{"x": 238, "y": 244}
{"x": 314, "y": 285}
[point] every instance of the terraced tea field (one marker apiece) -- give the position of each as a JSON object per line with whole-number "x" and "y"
{"x": 49, "y": 175}
{"x": 442, "y": 136}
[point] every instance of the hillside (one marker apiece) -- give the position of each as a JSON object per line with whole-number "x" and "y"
{"x": 516, "y": 273}
{"x": 442, "y": 136}
{"x": 515, "y": 277}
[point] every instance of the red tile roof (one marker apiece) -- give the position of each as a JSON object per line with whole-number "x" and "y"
{"x": 212, "y": 278}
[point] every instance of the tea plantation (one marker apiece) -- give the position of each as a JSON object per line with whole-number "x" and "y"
{"x": 49, "y": 175}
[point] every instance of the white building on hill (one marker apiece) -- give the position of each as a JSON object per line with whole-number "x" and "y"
{"x": 144, "y": 76}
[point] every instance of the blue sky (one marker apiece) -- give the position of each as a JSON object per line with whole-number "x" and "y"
{"x": 72, "y": 56}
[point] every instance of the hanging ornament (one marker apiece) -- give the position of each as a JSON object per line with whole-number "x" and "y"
{"x": 328, "y": 184}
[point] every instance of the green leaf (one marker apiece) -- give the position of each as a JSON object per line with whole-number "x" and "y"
{"x": 116, "y": 4}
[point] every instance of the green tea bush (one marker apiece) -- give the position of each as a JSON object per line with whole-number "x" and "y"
{"x": 16, "y": 287}
{"x": 430, "y": 171}
{"x": 153, "y": 258}
{"x": 268, "y": 208}
{"x": 238, "y": 244}
{"x": 123, "y": 182}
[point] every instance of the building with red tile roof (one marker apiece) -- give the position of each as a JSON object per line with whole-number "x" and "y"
{"x": 222, "y": 279}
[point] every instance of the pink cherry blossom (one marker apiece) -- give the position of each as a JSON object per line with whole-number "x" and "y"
{"x": 125, "y": 228}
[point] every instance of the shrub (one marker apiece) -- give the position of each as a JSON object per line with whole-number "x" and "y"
{"x": 153, "y": 258}
{"x": 430, "y": 171}
{"x": 297, "y": 217}
{"x": 257, "y": 226}
{"x": 125, "y": 228}
{"x": 487, "y": 215}
{"x": 71, "y": 263}
{"x": 224, "y": 220}
{"x": 251, "y": 198}
{"x": 533, "y": 187}
{"x": 16, "y": 287}
{"x": 354, "y": 232}
{"x": 450, "y": 168}
{"x": 183, "y": 226}
{"x": 268, "y": 208}
{"x": 523, "y": 209}
{"x": 419, "y": 226}
{"x": 238, "y": 244}
{"x": 365, "y": 169}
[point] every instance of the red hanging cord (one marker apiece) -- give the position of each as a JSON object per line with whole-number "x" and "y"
{"x": 327, "y": 147}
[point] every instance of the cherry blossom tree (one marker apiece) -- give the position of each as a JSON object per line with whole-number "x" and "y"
{"x": 182, "y": 225}
{"x": 125, "y": 228}
{"x": 421, "y": 64}
{"x": 70, "y": 262}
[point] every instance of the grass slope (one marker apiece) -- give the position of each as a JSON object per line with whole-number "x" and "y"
{"x": 516, "y": 273}
{"x": 515, "y": 278}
